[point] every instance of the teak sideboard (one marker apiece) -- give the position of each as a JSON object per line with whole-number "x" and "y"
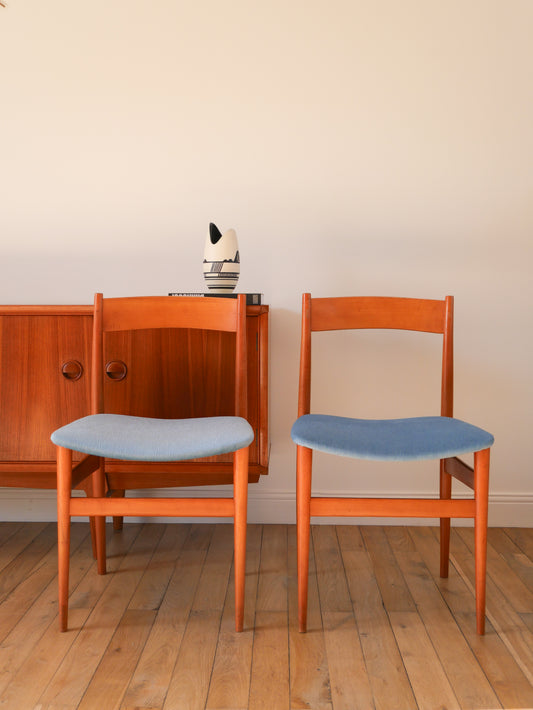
{"x": 45, "y": 383}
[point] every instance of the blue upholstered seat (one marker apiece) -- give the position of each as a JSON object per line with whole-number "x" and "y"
{"x": 389, "y": 439}
{"x": 145, "y": 439}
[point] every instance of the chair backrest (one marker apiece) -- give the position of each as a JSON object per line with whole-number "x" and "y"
{"x": 147, "y": 312}
{"x": 358, "y": 312}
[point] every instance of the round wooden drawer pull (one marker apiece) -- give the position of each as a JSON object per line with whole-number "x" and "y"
{"x": 72, "y": 370}
{"x": 116, "y": 370}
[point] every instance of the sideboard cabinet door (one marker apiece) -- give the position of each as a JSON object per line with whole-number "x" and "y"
{"x": 44, "y": 381}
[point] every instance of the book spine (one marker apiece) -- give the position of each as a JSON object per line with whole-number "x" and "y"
{"x": 252, "y": 299}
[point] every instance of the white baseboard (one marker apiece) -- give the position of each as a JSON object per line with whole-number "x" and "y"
{"x": 270, "y": 507}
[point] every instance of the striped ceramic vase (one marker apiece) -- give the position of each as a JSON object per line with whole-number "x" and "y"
{"x": 221, "y": 260}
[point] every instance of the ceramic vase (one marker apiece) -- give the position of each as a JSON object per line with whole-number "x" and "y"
{"x": 221, "y": 260}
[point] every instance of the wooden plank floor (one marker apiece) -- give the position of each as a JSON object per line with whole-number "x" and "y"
{"x": 385, "y": 632}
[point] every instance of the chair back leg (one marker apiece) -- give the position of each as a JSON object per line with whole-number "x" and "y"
{"x": 99, "y": 486}
{"x": 445, "y": 494}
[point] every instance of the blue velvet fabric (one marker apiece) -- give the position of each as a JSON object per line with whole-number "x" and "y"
{"x": 389, "y": 439}
{"x": 145, "y": 439}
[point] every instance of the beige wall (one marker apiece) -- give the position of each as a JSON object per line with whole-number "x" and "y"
{"x": 356, "y": 147}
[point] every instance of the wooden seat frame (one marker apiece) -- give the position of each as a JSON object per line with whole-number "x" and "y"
{"x": 134, "y": 313}
{"x": 431, "y": 316}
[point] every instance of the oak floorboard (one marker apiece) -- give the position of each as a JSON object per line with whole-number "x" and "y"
{"x": 519, "y": 562}
{"x": 505, "y": 675}
{"x": 385, "y": 668}
{"x": 18, "y": 647}
{"x": 32, "y": 550}
{"x": 272, "y": 589}
{"x": 89, "y": 590}
{"x": 37, "y": 578}
{"x": 462, "y": 669}
{"x": 270, "y": 685}
{"x": 349, "y": 684}
{"x": 332, "y": 585}
{"x": 503, "y": 574}
{"x": 110, "y": 681}
{"x": 150, "y": 681}
{"x": 309, "y": 672}
{"x": 35, "y": 673}
{"x": 501, "y": 605}
{"x": 157, "y": 632}
{"x": 189, "y": 684}
{"x": 16, "y": 540}
{"x": 70, "y": 682}
{"x": 528, "y": 620}
{"x": 151, "y": 589}
{"x": 432, "y": 690}
{"x": 394, "y": 591}
{"x": 522, "y": 538}
{"x": 229, "y": 687}
{"x": 213, "y": 583}
{"x": 7, "y": 530}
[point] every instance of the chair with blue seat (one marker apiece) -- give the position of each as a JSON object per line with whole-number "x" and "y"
{"x": 136, "y": 438}
{"x": 430, "y": 437}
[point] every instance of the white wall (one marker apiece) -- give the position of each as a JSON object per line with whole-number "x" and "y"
{"x": 356, "y": 147}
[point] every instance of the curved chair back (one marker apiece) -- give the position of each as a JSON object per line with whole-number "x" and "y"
{"x": 147, "y": 312}
{"x": 366, "y": 312}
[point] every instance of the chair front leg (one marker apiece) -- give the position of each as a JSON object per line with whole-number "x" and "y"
{"x": 64, "y": 488}
{"x": 304, "y": 459}
{"x": 240, "y": 498}
{"x": 481, "y": 493}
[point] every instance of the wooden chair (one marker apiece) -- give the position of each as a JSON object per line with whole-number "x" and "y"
{"x": 123, "y": 437}
{"x": 441, "y": 437}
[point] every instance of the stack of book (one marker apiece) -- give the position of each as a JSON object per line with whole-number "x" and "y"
{"x": 252, "y": 299}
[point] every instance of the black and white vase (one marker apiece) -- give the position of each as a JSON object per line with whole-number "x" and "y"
{"x": 221, "y": 260}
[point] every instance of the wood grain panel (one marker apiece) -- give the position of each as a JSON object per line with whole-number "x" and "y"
{"x": 35, "y": 398}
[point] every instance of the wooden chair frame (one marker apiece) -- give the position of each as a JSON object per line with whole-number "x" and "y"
{"x": 431, "y": 316}
{"x": 134, "y": 313}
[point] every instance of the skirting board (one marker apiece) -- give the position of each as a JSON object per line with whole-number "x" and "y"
{"x": 270, "y": 507}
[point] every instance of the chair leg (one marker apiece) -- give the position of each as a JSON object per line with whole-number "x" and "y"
{"x": 445, "y": 493}
{"x": 92, "y": 527}
{"x": 118, "y": 520}
{"x": 99, "y": 490}
{"x": 303, "y": 528}
{"x": 240, "y": 497}
{"x": 481, "y": 492}
{"x": 64, "y": 487}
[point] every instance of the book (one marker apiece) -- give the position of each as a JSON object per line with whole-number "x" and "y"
{"x": 252, "y": 299}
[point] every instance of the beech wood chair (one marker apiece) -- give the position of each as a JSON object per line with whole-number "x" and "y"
{"x": 439, "y": 437}
{"x": 125, "y": 437}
